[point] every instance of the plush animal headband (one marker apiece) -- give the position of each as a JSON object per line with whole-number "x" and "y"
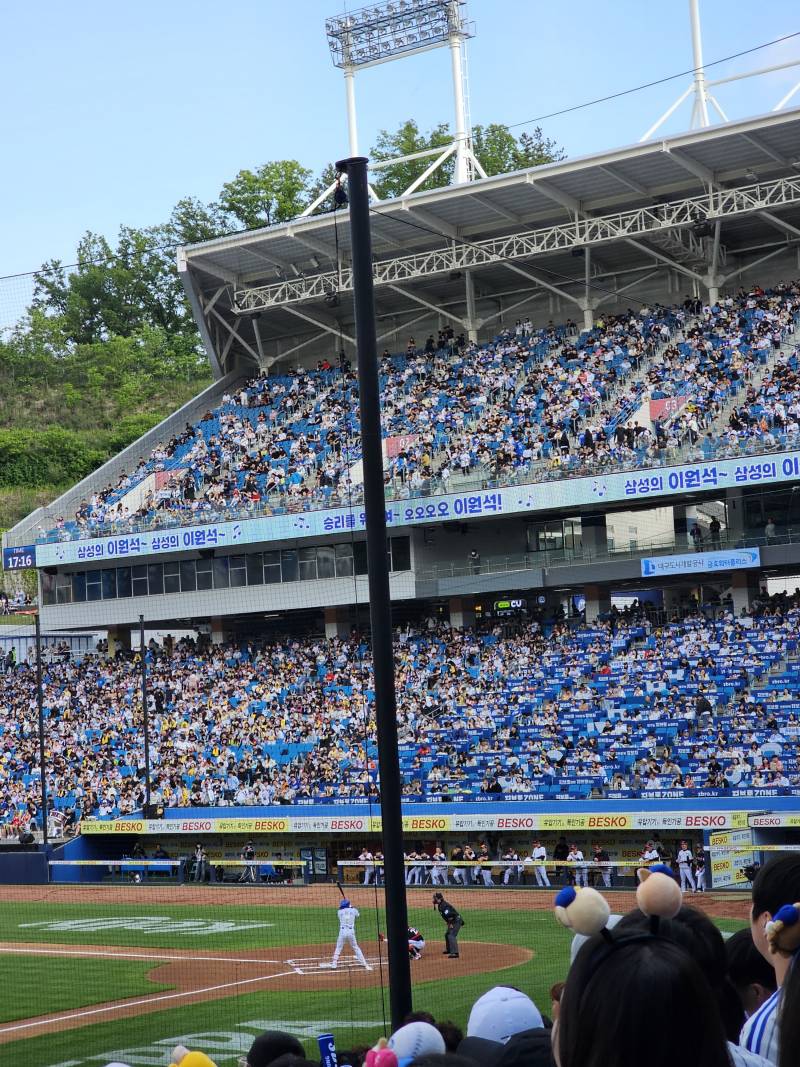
{"x": 658, "y": 895}
{"x": 783, "y": 930}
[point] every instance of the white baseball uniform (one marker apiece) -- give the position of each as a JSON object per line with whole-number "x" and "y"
{"x": 539, "y": 856}
{"x": 347, "y": 936}
{"x": 685, "y": 858}
{"x": 581, "y": 871}
{"x": 439, "y": 869}
{"x": 369, "y": 867}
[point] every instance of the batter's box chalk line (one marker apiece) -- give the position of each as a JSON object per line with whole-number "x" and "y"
{"x": 316, "y": 964}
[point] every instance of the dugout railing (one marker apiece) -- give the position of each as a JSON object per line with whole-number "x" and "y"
{"x": 183, "y": 870}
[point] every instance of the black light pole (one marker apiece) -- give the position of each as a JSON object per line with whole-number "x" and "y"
{"x": 380, "y": 610}
{"x": 145, "y": 719}
{"x": 40, "y": 708}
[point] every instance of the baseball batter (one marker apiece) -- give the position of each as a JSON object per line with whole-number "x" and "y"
{"x": 347, "y": 934}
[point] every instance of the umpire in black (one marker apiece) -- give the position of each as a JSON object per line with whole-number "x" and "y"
{"x": 454, "y": 924}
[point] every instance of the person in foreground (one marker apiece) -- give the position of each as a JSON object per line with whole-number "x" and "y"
{"x": 773, "y": 1030}
{"x": 613, "y": 993}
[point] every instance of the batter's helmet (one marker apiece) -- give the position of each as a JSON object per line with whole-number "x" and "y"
{"x": 344, "y": 903}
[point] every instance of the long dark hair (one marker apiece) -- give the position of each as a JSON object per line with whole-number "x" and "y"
{"x": 778, "y": 883}
{"x": 696, "y": 933}
{"x": 615, "y": 995}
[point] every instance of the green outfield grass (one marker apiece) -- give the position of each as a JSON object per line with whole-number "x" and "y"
{"x": 225, "y": 1027}
{"x": 29, "y": 988}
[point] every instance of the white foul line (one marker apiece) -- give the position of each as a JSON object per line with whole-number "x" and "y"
{"x": 129, "y": 955}
{"x": 136, "y": 1003}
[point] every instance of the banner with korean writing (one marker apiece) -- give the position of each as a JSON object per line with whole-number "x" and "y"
{"x": 347, "y": 822}
{"x": 452, "y": 507}
{"x": 701, "y": 562}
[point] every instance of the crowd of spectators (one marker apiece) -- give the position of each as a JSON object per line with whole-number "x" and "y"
{"x": 717, "y": 359}
{"x": 553, "y": 404}
{"x": 621, "y": 708}
{"x": 532, "y": 404}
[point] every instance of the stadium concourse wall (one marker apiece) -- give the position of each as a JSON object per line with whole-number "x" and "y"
{"x": 729, "y": 829}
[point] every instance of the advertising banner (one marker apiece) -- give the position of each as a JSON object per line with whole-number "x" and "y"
{"x": 726, "y": 861}
{"x": 426, "y": 825}
{"x": 701, "y": 562}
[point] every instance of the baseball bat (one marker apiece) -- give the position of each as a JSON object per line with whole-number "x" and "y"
{"x": 339, "y": 887}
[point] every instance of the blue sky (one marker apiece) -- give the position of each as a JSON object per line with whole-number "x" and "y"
{"x": 112, "y": 112}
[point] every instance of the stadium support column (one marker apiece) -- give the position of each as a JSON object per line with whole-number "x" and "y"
{"x": 40, "y": 709}
{"x": 594, "y": 535}
{"x": 119, "y": 638}
{"x": 587, "y": 305}
{"x": 683, "y": 519}
{"x": 671, "y": 597}
{"x": 380, "y": 609}
{"x": 462, "y": 613}
{"x": 744, "y": 589}
{"x": 712, "y": 278}
{"x": 337, "y": 623}
{"x": 598, "y": 602}
{"x": 734, "y": 516}
{"x": 472, "y": 318}
{"x": 217, "y": 630}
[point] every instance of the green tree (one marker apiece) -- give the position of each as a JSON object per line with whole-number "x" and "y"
{"x": 192, "y": 221}
{"x": 44, "y": 457}
{"x": 407, "y": 139}
{"x": 275, "y": 192}
{"x": 500, "y": 152}
{"x": 536, "y": 149}
{"x": 326, "y": 178}
{"x": 496, "y": 147}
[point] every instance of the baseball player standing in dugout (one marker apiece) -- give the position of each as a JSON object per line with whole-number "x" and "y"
{"x": 454, "y": 924}
{"x": 347, "y": 934}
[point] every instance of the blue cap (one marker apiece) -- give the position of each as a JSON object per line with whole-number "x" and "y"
{"x": 344, "y": 903}
{"x": 662, "y": 868}
{"x": 565, "y": 897}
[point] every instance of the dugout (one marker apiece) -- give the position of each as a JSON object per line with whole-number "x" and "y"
{"x": 320, "y": 842}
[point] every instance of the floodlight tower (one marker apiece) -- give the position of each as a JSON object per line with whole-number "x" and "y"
{"x": 391, "y": 31}
{"x": 700, "y": 87}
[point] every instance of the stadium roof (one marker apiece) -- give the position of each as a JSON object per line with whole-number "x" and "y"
{"x": 718, "y": 199}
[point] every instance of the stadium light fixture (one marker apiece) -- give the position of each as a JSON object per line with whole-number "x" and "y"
{"x": 378, "y": 34}
{"x": 389, "y": 31}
